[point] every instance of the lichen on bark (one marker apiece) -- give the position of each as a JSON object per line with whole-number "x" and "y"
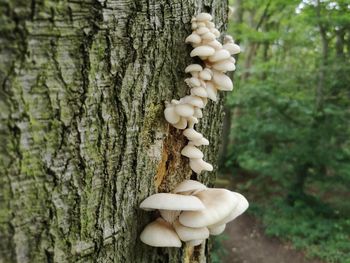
{"x": 83, "y": 85}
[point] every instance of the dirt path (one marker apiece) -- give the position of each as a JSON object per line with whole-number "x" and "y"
{"x": 247, "y": 244}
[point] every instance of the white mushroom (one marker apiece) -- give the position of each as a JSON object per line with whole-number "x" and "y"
{"x": 170, "y": 115}
{"x": 219, "y": 55}
{"x": 217, "y": 229}
{"x": 182, "y": 124}
{"x": 211, "y": 91}
{"x": 218, "y": 204}
{"x": 232, "y": 48}
{"x": 160, "y": 233}
{"x": 190, "y": 233}
{"x": 199, "y": 91}
{"x": 192, "y": 152}
{"x": 222, "y": 81}
{"x": 224, "y": 66}
{"x": 199, "y": 165}
{"x": 193, "y": 67}
{"x": 204, "y": 17}
{"x": 192, "y": 134}
{"x": 193, "y": 38}
{"x": 168, "y": 201}
{"x": 188, "y": 187}
{"x": 184, "y": 110}
{"x": 205, "y": 51}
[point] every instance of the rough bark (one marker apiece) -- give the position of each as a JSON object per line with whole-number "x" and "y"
{"x": 83, "y": 138}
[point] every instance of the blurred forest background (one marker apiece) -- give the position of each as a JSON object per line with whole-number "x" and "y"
{"x": 287, "y": 132}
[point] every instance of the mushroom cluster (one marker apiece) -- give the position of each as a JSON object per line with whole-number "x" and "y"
{"x": 205, "y": 81}
{"x": 190, "y": 214}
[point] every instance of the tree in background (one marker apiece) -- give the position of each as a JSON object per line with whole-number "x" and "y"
{"x": 83, "y": 138}
{"x": 291, "y": 119}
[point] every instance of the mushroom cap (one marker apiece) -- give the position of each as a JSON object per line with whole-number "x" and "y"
{"x": 237, "y": 211}
{"x": 205, "y": 74}
{"x": 215, "y": 44}
{"x": 202, "y": 141}
{"x": 208, "y": 36}
{"x": 204, "y": 17}
{"x": 170, "y": 115}
{"x": 191, "y": 151}
{"x": 160, "y": 233}
{"x": 184, "y": 110}
{"x": 232, "y": 48}
{"x": 215, "y": 32}
{"x": 193, "y": 38}
{"x": 182, "y": 124}
{"x": 193, "y": 82}
{"x": 204, "y": 51}
{"x": 194, "y": 101}
{"x": 202, "y": 30}
{"x": 218, "y": 204}
{"x": 198, "y": 165}
{"x": 169, "y": 201}
{"x": 217, "y": 229}
{"x": 198, "y": 113}
{"x": 222, "y": 81}
{"x": 219, "y": 55}
{"x": 212, "y": 91}
{"x": 189, "y": 186}
{"x": 193, "y": 68}
{"x": 190, "y": 233}
{"x": 192, "y": 134}
{"x": 199, "y": 91}
{"x": 224, "y": 66}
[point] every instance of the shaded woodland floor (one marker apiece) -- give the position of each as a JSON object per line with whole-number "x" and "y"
{"x": 247, "y": 243}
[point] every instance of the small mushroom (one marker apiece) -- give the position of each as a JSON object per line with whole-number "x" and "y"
{"x": 223, "y": 81}
{"x": 199, "y": 165}
{"x": 219, "y": 55}
{"x": 188, "y": 187}
{"x": 204, "y": 17}
{"x": 170, "y": 115}
{"x": 211, "y": 91}
{"x": 190, "y": 233}
{"x": 184, "y": 110}
{"x": 199, "y": 91}
{"x": 193, "y": 38}
{"x": 191, "y": 152}
{"x": 160, "y": 233}
{"x": 224, "y": 66}
{"x": 202, "y": 30}
{"x": 182, "y": 124}
{"x": 232, "y": 48}
{"x": 193, "y": 68}
{"x": 192, "y": 134}
{"x": 205, "y": 51}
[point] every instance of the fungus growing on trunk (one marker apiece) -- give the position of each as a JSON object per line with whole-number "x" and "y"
{"x": 205, "y": 81}
{"x": 193, "y": 211}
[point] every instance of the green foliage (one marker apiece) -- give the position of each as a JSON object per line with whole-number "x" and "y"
{"x": 291, "y": 119}
{"x": 218, "y": 251}
{"x": 324, "y": 235}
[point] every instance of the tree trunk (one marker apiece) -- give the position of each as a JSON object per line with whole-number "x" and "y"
{"x": 83, "y": 138}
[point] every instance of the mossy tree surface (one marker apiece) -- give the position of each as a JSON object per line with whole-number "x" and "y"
{"x": 83, "y": 138}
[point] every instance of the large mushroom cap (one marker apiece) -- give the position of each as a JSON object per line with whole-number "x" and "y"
{"x": 189, "y": 186}
{"x": 160, "y": 233}
{"x": 218, "y": 204}
{"x": 167, "y": 201}
{"x": 237, "y": 211}
{"x": 191, "y": 152}
{"x": 190, "y": 233}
